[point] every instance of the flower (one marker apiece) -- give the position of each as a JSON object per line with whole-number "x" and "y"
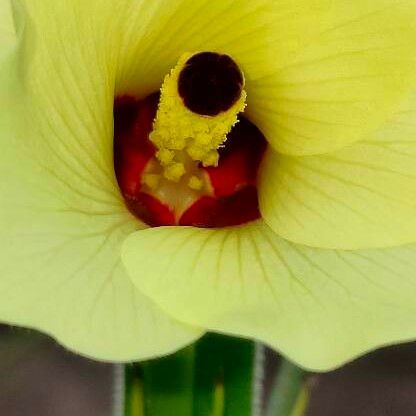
{"x": 327, "y": 273}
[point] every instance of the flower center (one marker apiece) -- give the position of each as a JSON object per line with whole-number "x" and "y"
{"x": 184, "y": 156}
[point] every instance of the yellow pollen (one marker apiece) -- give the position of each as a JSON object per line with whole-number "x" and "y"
{"x": 180, "y": 134}
{"x": 210, "y": 158}
{"x": 174, "y": 171}
{"x": 165, "y": 156}
{"x": 195, "y": 183}
{"x": 151, "y": 180}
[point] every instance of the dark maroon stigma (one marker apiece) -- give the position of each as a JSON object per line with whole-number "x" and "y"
{"x": 210, "y": 83}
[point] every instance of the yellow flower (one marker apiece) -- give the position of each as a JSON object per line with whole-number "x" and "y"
{"x": 327, "y": 273}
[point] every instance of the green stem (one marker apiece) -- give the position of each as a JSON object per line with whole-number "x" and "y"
{"x": 224, "y": 375}
{"x": 133, "y": 391}
{"x": 214, "y": 377}
{"x": 168, "y": 384}
{"x": 118, "y": 389}
{"x": 289, "y": 396}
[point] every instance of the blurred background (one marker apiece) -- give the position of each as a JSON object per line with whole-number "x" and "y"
{"x": 40, "y": 378}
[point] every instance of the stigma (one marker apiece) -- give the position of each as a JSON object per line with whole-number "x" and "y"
{"x": 200, "y": 101}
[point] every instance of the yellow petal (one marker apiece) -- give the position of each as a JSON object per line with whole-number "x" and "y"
{"x": 362, "y": 196}
{"x": 62, "y": 219}
{"x": 12, "y": 24}
{"x": 7, "y": 27}
{"x": 260, "y": 35}
{"x": 345, "y": 83}
{"x": 319, "y": 307}
{"x": 356, "y": 66}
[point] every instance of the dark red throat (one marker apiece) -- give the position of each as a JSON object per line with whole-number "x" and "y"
{"x": 233, "y": 200}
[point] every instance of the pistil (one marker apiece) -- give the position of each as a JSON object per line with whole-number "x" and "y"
{"x": 199, "y": 104}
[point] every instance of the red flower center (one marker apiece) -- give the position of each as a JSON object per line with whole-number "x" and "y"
{"x": 230, "y": 195}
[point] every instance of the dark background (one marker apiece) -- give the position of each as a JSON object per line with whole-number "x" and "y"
{"x": 40, "y": 378}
